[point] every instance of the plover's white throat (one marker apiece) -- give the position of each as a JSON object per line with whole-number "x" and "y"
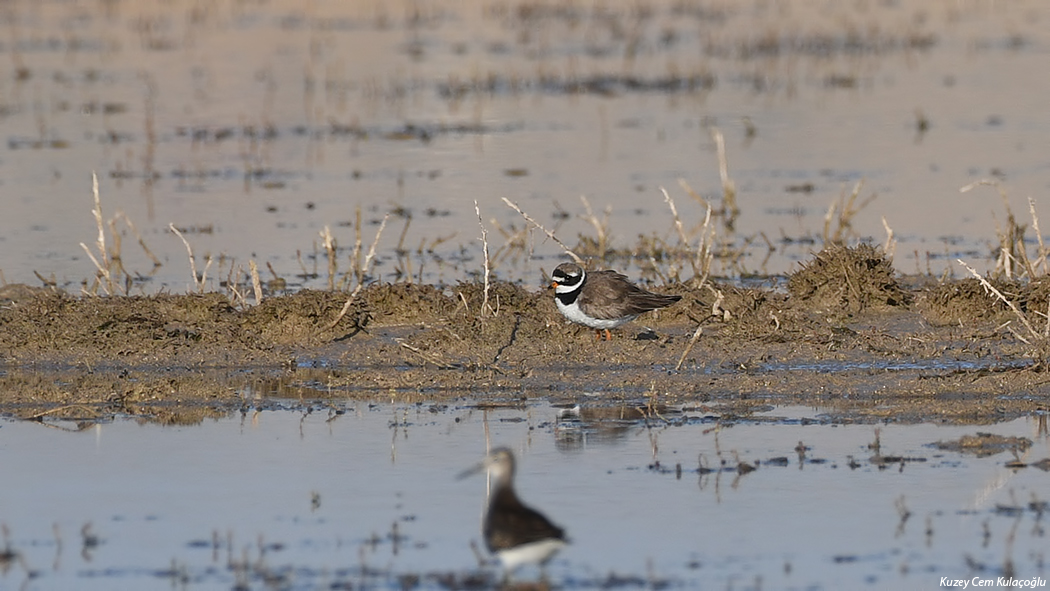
{"x": 515, "y": 533}
{"x": 602, "y": 299}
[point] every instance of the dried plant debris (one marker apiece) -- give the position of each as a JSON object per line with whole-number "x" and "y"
{"x": 965, "y": 301}
{"x": 848, "y": 280}
{"x": 985, "y": 444}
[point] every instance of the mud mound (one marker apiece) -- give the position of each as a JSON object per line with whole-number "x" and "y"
{"x": 749, "y": 312}
{"x": 304, "y": 318}
{"x": 1035, "y": 297}
{"x": 80, "y": 357}
{"x": 54, "y": 322}
{"x": 502, "y": 296}
{"x": 965, "y": 302}
{"x": 200, "y": 328}
{"x": 475, "y": 335}
{"x": 407, "y": 302}
{"x": 847, "y": 280}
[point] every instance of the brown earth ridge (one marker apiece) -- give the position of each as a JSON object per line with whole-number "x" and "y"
{"x": 849, "y": 337}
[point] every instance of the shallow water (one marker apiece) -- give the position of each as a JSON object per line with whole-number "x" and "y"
{"x": 252, "y": 127}
{"x": 365, "y": 494}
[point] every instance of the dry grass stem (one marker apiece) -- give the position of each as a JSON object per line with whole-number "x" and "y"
{"x": 273, "y": 273}
{"x": 729, "y": 206}
{"x": 98, "y": 220}
{"x": 204, "y": 274}
{"x": 362, "y": 272}
{"x": 677, "y": 221}
{"x": 463, "y": 299}
{"x": 549, "y": 234}
{"x": 890, "y": 246}
{"x": 689, "y": 347}
{"x": 689, "y": 191}
{"x": 49, "y": 282}
{"x": 1046, "y": 330}
{"x": 1013, "y": 307}
{"x": 233, "y": 284}
{"x": 485, "y": 250}
{"x": 329, "y": 243}
{"x": 198, "y": 285}
{"x": 426, "y": 357}
{"x": 1041, "y": 259}
{"x": 103, "y": 265}
{"x": 1011, "y": 239}
{"x": 402, "y": 254}
{"x": 115, "y": 259}
{"x": 842, "y": 211}
{"x": 253, "y": 269}
{"x": 601, "y": 227}
{"x": 355, "y": 256}
{"x": 701, "y": 259}
{"x": 704, "y": 255}
{"x": 142, "y": 242}
{"x": 102, "y": 271}
{"x": 716, "y": 308}
{"x": 371, "y": 252}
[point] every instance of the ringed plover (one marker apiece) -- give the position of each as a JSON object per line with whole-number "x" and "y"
{"x": 602, "y": 299}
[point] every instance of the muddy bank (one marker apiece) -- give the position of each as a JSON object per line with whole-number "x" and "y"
{"x": 849, "y": 336}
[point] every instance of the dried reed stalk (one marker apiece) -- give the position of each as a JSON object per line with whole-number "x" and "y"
{"x": 549, "y": 234}
{"x": 329, "y": 243}
{"x": 600, "y": 227}
{"x": 98, "y": 220}
{"x": 846, "y": 208}
{"x": 689, "y": 347}
{"x": 193, "y": 265}
{"x": 1008, "y": 238}
{"x": 704, "y": 256}
{"x": 682, "y": 239}
{"x": 402, "y": 253}
{"x": 142, "y": 242}
{"x": 355, "y": 256}
{"x": 689, "y": 191}
{"x": 256, "y": 283}
{"x": 677, "y": 221}
{"x": 204, "y": 274}
{"x": 485, "y": 250}
{"x": 701, "y": 262}
{"x": 1041, "y": 260}
{"x": 103, "y": 266}
{"x": 1013, "y": 307}
{"x": 730, "y": 209}
{"x": 362, "y": 272}
{"x": 890, "y": 246}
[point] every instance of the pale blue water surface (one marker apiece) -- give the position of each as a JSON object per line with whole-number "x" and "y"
{"x": 365, "y": 495}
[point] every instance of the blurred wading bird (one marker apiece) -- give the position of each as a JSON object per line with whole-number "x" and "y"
{"x": 515, "y": 533}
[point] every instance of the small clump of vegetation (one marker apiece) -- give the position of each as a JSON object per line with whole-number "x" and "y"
{"x": 848, "y": 280}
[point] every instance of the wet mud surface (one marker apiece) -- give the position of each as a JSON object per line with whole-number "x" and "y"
{"x": 848, "y": 335}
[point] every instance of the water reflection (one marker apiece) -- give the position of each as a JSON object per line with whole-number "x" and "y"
{"x": 297, "y": 494}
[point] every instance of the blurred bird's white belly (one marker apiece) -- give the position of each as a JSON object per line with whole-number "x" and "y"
{"x": 531, "y": 553}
